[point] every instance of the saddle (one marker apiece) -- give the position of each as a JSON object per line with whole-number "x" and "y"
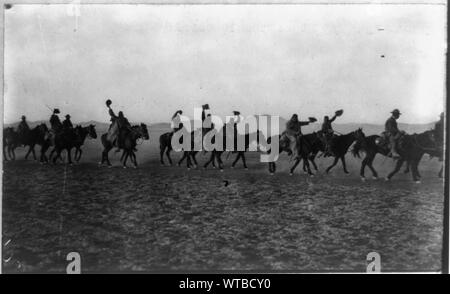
{"x": 383, "y": 140}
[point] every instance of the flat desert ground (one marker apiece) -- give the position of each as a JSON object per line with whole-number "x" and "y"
{"x": 161, "y": 218}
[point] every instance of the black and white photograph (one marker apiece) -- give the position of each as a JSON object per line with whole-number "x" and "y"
{"x": 224, "y": 137}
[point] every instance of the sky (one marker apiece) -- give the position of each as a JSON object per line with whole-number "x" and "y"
{"x": 152, "y": 60}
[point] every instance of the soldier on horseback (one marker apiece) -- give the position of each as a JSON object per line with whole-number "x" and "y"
{"x": 206, "y": 119}
{"x": 235, "y": 120}
{"x": 291, "y": 137}
{"x": 67, "y": 124}
{"x": 118, "y": 128}
{"x": 393, "y": 133}
{"x": 55, "y": 125}
{"x": 23, "y": 127}
{"x": 176, "y": 121}
{"x": 328, "y": 132}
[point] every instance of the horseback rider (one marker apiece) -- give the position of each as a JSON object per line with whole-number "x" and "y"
{"x": 23, "y": 127}
{"x": 55, "y": 122}
{"x": 328, "y": 132}
{"x": 206, "y": 119}
{"x": 176, "y": 121}
{"x": 118, "y": 128}
{"x": 235, "y": 120}
{"x": 392, "y": 132}
{"x": 55, "y": 125}
{"x": 67, "y": 124}
{"x": 293, "y": 133}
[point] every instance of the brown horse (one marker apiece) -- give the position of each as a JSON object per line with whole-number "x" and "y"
{"x": 411, "y": 149}
{"x": 130, "y": 138}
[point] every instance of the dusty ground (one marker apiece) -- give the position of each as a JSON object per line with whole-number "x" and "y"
{"x": 168, "y": 218}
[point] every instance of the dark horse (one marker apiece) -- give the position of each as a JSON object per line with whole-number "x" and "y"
{"x": 411, "y": 149}
{"x": 340, "y": 146}
{"x": 244, "y": 139}
{"x": 31, "y": 138}
{"x": 64, "y": 140}
{"x": 436, "y": 151}
{"x": 80, "y": 135}
{"x": 165, "y": 147}
{"x": 308, "y": 146}
{"x": 10, "y": 142}
{"x": 305, "y": 145}
{"x": 130, "y": 139}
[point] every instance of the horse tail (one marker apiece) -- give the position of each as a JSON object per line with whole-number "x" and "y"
{"x": 357, "y": 148}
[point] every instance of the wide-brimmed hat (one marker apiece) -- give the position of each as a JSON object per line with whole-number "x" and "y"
{"x": 235, "y": 112}
{"x": 396, "y": 111}
{"x": 56, "y": 111}
{"x": 67, "y": 115}
{"x": 205, "y": 106}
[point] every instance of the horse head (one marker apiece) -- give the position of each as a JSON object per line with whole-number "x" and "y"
{"x": 91, "y": 131}
{"x": 144, "y": 131}
{"x": 43, "y": 129}
{"x": 427, "y": 139}
{"x": 359, "y": 134}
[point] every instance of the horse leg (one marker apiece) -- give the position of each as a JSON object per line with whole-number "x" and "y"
{"x": 236, "y": 159}
{"x": 80, "y": 151}
{"x": 105, "y": 157}
{"x": 168, "y": 156}
{"x": 415, "y": 171}
{"x": 34, "y": 153}
{"x": 161, "y": 154}
{"x": 188, "y": 160}
{"x": 332, "y": 165}
{"x": 124, "y": 163}
{"x": 344, "y": 165}
{"x": 69, "y": 156}
{"x": 297, "y": 161}
{"x": 51, "y": 153}
{"x": 58, "y": 154}
{"x": 13, "y": 153}
{"x": 219, "y": 160}
{"x": 28, "y": 153}
{"x": 43, "y": 158}
{"x": 311, "y": 158}
{"x": 4, "y": 154}
{"x": 123, "y": 155}
{"x": 243, "y": 160}
{"x": 194, "y": 159}
{"x": 182, "y": 158}
{"x": 305, "y": 160}
{"x": 133, "y": 158}
{"x": 374, "y": 172}
{"x": 211, "y": 159}
{"x": 363, "y": 167}
{"x": 397, "y": 168}
{"x": 407, "y": 168}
